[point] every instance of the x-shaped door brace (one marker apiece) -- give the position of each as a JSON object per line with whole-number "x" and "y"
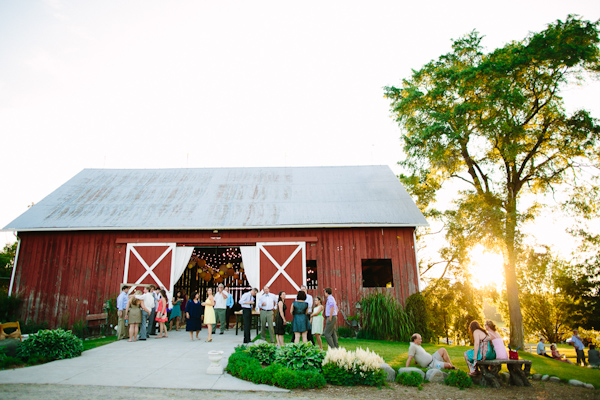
{"x": 281, "y": 268}
{"x": 149, "y": 269}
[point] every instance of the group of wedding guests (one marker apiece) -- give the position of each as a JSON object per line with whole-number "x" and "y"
{"x": 310, "y": 317}
{"x": 141, "y": 309}
{"x": 577, "y": 343}
{"x": 144, "y": 309}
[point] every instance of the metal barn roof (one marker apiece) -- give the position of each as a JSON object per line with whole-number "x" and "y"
{"x": 224, "y": 198}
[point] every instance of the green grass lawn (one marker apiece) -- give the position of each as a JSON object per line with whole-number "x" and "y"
{"x": 396, "y": 354}
{"x": 89, "y": 344}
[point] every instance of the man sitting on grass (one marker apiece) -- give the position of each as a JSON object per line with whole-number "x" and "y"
{"x": 439, "y": 360}
{"x": 541, "y": 348}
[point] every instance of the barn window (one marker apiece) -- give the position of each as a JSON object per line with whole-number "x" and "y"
{"x": 377, "y": 273}
{"x": 311, "y": 274}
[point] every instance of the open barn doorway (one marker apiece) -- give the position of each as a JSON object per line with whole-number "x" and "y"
{"x": 210, "y": 266}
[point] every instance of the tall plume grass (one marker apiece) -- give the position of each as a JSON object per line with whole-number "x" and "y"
{"x": 384, "y": 318}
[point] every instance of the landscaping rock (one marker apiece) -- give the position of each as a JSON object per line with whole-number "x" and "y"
{"x": 575, "y": 382}
{"x": 435, "y": 376}
{"x": 588, "y": 386}
{"x": 536, "y": 377}
{"x": 554, "y": 379}
{"x": 391, "y": 374}
{"x": 408, "y": 370}
{"x": 545, "y": 377}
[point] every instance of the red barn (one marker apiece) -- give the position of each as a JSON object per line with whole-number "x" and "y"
{"x": 348, "y": 228}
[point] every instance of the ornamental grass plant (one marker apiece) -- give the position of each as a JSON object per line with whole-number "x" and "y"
{"x": 384, "y": 318}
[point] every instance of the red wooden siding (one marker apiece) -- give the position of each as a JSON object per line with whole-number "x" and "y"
{"x": 64, "y": 275}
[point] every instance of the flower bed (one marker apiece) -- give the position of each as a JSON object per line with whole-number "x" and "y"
{"x": 303, "y": 365}
{"x": 350, "y": 368}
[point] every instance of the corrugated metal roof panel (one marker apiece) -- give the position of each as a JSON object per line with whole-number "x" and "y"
{"x": 219, "y": 198}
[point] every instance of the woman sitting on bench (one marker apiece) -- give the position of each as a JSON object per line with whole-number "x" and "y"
{"x": 481, "y": 348}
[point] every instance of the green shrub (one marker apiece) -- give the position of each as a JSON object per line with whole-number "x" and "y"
{"x": 9, "y": 307}
{"x": 241, "y": 360}
{"x": 384, "y": 318}
{"x": 7, "y": 361}
{"x": 286, "y": 378}
{"x": 33, "y": 327}
{"x": 416, "y": 308}
{"x": 51, "y": 344}
{"x": 300, "y": 356}
{"x": 311, "y": 379}
{"x": 345, "y": 332}
{"x": 337, "y": 375}
{"x": 112, "y": 319}
{"x": 244, "y": 366}
{"x": 412, "y": 378}
{"x": 80, "y": 329}
{"x": 264, "y": 352}
{"x": 458, "y": 378}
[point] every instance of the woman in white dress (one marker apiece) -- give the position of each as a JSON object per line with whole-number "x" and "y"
{"x": 317, "y": 320}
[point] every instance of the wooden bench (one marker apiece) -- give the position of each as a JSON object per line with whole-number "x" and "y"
{"x": 490, "y": 369}
{"x": 96, "y": 320}
{"x": 13, "y": 335}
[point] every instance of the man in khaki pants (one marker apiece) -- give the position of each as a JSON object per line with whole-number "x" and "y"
{"x": 121, "y": 306}
{"x": 267, "y": 304}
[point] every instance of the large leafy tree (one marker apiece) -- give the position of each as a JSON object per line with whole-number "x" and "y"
{"x": 494, "y": 126}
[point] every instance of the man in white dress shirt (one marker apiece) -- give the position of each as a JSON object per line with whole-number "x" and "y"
{"x": 220, "y": 308}
{"x": 247, "y": 303}
{"x": 267, "y": 304}
{"x": 147, "y": 305}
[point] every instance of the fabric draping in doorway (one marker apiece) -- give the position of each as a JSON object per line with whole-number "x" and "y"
{"x": 181, "y": 258}
{"x": 250, "y": 260}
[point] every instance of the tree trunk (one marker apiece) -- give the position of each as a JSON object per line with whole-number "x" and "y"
{"x": 517, "y": 337}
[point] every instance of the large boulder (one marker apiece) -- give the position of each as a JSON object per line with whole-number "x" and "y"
{"x": 391, "y": 374}
{"x": 435, "y": 375}
{"x": 408, "y": 370}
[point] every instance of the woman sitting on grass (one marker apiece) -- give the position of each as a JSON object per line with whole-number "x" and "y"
{"x": 557, "y": 356}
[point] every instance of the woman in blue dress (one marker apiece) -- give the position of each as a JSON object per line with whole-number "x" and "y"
{"x": 299, "y": 312}
{"x": 176, "y": 311}
{"x": 193, "y": 315}
{"x": 482, "y": 350}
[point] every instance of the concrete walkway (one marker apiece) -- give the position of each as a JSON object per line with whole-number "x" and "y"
{"x": 175, "y": 362}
